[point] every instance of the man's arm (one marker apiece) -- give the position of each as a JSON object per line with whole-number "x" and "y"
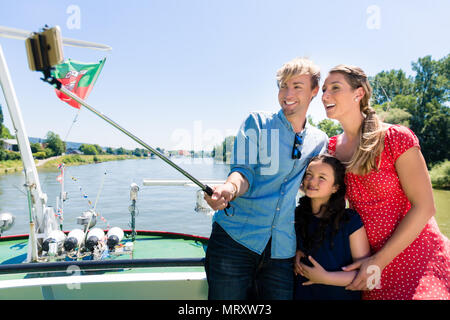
{"x": 235, "y": 186}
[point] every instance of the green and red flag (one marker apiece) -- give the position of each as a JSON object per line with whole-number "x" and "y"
{"x": 77, "y": 77}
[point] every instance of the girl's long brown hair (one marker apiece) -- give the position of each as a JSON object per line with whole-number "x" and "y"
{"x": 333, "y": 211}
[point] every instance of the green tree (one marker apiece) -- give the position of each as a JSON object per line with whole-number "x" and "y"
{"x": 420, "y": 102}
{"x": 1, "y": 121}
{"x": 222, "y": 152}
{"x": 431, "y": 80}
{"x": 388, "y": 84}
{"x": 4, "y": 132}
{"x": 36, "y": 147}
{"x": 137, "y": 152}
{"x": 99, "y": 149}
{"x": 430, "y": 117}
{"x": 48, "y": 152}
{"x": 395, "y": 116}
{"x": 330, "y": 127}
{"x": 88, "y": 149}
{"x": 435, "y": 132}
{"x": 120, "y": 151}
{"x": 55, "y": 143}
{"x": 397, "y": 111}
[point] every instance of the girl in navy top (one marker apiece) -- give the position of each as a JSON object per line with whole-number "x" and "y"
{"x": 329, "y": 236}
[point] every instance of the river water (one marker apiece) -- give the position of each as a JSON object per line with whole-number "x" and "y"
{"x": 160, "y": 208}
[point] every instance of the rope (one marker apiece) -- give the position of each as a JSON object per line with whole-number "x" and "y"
{"x": 73, "y": 122}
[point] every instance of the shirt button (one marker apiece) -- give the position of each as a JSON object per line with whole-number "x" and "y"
{"x": 278, "y": 209}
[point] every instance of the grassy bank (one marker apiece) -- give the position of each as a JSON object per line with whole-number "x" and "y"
{"x": 440, "y": 175}
{"x": 75, "y": 160}
{"x": 10, "y": 166}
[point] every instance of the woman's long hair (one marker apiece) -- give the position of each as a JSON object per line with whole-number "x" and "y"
{"x": 333, "y": 210}
{"x": 371, "y": 141}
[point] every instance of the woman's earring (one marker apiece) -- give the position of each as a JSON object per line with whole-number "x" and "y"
{"x": 356, "y": 99}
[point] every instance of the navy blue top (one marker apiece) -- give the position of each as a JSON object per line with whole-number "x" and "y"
{"x": 331, "y": 259}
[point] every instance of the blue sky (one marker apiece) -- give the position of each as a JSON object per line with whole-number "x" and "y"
{"x": 185, "y": 73}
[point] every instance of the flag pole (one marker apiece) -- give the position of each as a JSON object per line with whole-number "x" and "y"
{"x": 20, "y": 34}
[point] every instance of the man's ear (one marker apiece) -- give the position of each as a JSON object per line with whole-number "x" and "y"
{"x": 314, "y": 92}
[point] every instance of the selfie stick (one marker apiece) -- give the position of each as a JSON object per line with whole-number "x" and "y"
{"x": 44, "y": 50}
{"x": 53, "y": 81}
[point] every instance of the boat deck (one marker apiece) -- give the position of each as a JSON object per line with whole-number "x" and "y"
{"x": 161, "y": 266}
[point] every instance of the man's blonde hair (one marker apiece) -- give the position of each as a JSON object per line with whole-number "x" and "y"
{"x": 299, "y": 66}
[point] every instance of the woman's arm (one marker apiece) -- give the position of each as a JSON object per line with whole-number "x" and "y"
{"x": 359, "y": 246}
{"x": 415, "y": 181}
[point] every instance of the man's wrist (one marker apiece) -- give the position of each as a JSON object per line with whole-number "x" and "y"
{"x": 235, "y": 190}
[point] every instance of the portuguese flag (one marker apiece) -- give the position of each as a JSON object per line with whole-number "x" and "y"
{"x": 77, "y": 77}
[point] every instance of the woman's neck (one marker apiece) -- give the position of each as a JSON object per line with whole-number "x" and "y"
{"x": 352, "y": 124}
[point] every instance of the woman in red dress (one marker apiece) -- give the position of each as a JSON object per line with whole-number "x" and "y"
{"x": 389, "y": 186}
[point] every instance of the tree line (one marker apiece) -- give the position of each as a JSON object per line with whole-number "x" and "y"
{"x": 53, "y": 145}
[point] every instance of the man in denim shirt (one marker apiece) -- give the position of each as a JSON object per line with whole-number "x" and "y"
{"x": 252, "y": 243}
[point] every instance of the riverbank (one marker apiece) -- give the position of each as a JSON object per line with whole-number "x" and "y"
{"x": 11, "y": 166}
{"x": 76, "y": 160}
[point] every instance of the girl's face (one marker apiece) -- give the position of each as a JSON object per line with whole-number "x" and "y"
{"x": 338, "y": 97}
{"x": 318, "y": 182}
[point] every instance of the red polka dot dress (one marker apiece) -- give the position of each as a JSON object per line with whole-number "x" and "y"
{"x": 422, "y": 270}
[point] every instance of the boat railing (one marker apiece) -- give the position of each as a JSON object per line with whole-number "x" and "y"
{"x": 201, "y": 205}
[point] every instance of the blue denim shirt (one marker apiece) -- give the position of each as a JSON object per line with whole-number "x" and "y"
{"x": 262, "y": 153}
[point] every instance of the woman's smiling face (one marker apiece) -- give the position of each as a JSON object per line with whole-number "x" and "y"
{"x": 339, "y": 97}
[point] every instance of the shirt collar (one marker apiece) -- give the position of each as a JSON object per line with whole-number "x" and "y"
{"x": 285, "y": 121}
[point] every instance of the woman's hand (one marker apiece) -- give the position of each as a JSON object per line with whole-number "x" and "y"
{"x": 298, "y": 255}
{"x": 369, "y": 274}
{"x": 315, "y": 274}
